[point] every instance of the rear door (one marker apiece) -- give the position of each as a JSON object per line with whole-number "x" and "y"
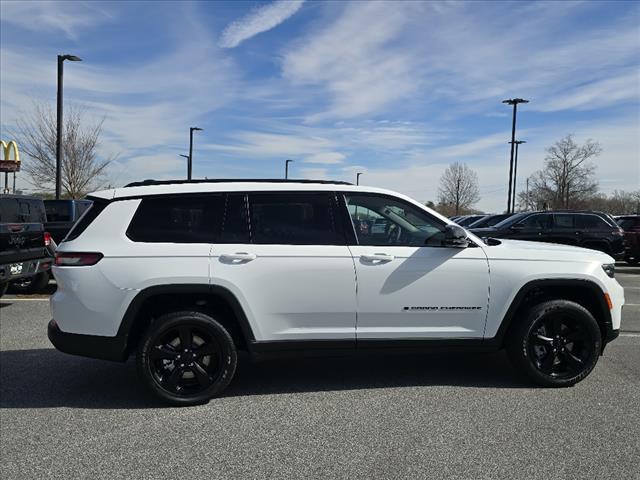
{"x": 565, "y": 230}
{"x": 284, "y": 255}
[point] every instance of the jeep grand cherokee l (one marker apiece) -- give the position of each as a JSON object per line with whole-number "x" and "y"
{"x": 185, "y": 274}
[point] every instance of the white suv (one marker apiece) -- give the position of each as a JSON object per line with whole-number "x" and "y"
{"x": 188, "y": 273}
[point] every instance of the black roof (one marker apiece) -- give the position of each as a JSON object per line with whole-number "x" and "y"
{"x": 145, "y": 183}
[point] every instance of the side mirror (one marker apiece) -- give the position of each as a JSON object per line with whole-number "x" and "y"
{"x": 455, "y": 236}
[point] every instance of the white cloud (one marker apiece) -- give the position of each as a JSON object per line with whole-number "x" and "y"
{"x": 261, "y": 19}
{"x": 64, "y": 16}
{"x": 326, "y": 158}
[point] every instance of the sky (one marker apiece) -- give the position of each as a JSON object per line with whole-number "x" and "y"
{"x": 395, "y": 90}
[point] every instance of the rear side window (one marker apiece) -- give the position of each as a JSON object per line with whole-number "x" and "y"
{"x": 296, "y": 218}
{"x": 89, "y": 216}
{"x": 184, "y": 219}
{"x": 58, "y": 210}
{"x": 592, "y": 222}
{"x": 235, "y": 228}
{"x": 564, "y": 221}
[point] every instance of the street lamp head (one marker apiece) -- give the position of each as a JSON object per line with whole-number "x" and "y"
{"x": 195, "y": 129}
{"x": 185, "y": 156}
{"x": 515, "y": 101}
{"x": 71, "y": 58}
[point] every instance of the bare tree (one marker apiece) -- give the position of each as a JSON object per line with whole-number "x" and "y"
{"x": 82, "y": 169}
{"x": 567, "y": 179}
{"x": 458, "y": 187}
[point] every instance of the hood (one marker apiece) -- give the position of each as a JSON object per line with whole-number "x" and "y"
{"x": 520, "y": 249}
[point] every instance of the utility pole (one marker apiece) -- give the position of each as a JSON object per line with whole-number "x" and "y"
{"x": 187, "y": 157}
{"x": 190, "y": 163}
{"x": 61, "y": 59}
{"x": 514, "y": 102}
{"x": 528, "y": 199}
{"x": 515, "y": 173}
{"x": 286, "y": 169}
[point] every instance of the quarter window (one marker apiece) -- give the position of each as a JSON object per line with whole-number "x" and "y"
{"x": 297, "y": 218}
{"x": 592, "y": 222}
{"x": 185, "y": 219}
{"x": 381, "y": 220}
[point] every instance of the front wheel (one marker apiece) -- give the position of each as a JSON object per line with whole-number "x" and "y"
{"x": 557, "y": 344}
{"x": 186, "y": 358}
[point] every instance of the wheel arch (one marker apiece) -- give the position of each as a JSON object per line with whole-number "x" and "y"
{"x": 203, "y": 298}
{"x": 584, "y": 292}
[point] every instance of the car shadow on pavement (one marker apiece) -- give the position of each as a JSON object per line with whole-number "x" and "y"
{"x": 45, "y": 378}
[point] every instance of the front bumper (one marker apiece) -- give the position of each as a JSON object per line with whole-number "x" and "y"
{"x": 25, "y": 268}
{"x": 94, "y": 346}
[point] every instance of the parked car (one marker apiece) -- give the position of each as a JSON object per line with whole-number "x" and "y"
{"x": 490, "y": 220}
{"x": 26, "y": 253}
{"x": 62, "y": 215}
{"x": 630, "y": 224}
{"x": 186, "y": 274}
{"x": 467, "y": 220}
{"x": 592, "y": 230}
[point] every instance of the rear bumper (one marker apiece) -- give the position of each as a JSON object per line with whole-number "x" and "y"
{"x": 26, "y": 268}
{"x": 94, "y": 346}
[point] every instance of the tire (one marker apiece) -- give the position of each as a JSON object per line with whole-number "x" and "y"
{"x": 3, "y": 288}
{"x": 632, "y": 261}
{"x": 29, "y": 285}
{"x": 178, "y": 374}
{"x": 557, "y": 343}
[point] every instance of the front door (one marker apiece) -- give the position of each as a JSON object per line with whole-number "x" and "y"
{"x": 409, "y": 285}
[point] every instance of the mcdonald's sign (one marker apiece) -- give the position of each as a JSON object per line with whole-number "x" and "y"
{"x": 8, "y": 164}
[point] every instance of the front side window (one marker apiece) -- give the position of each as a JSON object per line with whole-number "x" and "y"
{"x": 382, "y": 220}
{"x": 538, "y": 221}
{"x": 293, "y": 218}
{"x": 184, "y": 219}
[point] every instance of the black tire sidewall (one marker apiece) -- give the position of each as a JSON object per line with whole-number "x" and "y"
{"x": 518, "y": 347}
{"x": 38, "y": 282}
{"x": 171, "y": 320}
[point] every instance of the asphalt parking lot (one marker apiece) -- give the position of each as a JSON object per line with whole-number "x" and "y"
{"x": 431, "y": 416}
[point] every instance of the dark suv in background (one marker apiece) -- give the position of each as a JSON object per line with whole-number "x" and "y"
{"x": 594, "y": 230}
{"x": 62, "y": 215}
{"x": 631, "y": 226}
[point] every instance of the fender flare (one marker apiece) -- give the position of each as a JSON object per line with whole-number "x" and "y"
{"x": 130, "y": 316}
{"x": 529, "y": 287}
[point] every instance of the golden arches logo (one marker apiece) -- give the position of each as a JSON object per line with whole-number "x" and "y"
{"x": 8, "y": 164}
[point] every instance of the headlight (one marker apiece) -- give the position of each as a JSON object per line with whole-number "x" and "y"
{"x": 609, "y": 269}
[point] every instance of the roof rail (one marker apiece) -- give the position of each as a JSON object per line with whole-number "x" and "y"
{"x": 145, "y": 183}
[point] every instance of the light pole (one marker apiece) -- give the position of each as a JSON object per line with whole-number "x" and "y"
{"x": 61, "y": 59}
{"x": 358, "y": 178}
{"x": 187, "y": 157}
{"x": 190, "y": 162}
{"x": 515, "y": 173}
{"x": 514, "y": 102}
{"x": 286, "y": 168}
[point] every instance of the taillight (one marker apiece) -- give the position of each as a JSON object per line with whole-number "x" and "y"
{"x": 619, "y": 232}
{"x": 83, "y": 259}
{"x": 47, "y": 239}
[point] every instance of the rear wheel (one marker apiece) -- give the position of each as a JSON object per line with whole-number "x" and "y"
{"x": 557, "y": 344}
{"x": 632, "y": 260}
{"x": 186, "y": 358}
{"x": 34, "y": 284}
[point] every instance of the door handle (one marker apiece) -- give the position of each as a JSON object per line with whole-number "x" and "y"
{"x": 377, "y": 258}
{"x": 238, "y": 257}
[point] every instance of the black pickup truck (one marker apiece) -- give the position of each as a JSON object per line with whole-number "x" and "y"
{"x": 62, "y": 216}
{"x": 25, "y": 256}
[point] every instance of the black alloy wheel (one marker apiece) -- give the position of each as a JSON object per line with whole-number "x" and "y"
{"x": 186, "y": 358}
{"x": 560, "y": 346}
{"x": 555, "y": 343}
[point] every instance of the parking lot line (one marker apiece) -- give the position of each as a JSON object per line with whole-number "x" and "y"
{"x": 25, "y": 299}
